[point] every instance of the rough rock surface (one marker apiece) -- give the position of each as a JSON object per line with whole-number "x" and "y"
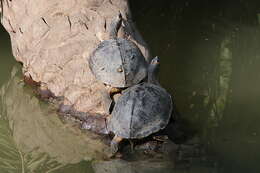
{"x": 53, "y": 39}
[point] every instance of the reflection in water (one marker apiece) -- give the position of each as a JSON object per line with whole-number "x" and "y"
{"x": 210, "y": 60}
{"x": 33, "y": 137}
{"x": 236, "y": 139}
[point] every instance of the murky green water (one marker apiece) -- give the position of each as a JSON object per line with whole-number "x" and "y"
{"x": 210, "y": 60}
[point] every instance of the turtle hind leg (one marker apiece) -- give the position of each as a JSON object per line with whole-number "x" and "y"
{"x": 114, "y": 145}
{"x": 131, "y": 145}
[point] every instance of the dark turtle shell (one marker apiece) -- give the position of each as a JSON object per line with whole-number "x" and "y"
{"x": 142, "y": 110}
{"x": 118, "y": 62}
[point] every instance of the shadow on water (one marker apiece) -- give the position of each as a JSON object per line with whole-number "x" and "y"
{"x": 7, "y": 61}
{"x": 210, "y": 64}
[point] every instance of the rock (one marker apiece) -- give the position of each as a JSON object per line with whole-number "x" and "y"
{"x": 53, "y": 40}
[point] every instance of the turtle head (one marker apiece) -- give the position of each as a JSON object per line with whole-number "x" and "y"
{"x": 154, "y": 65}
{"x": 155, "y": 61}
{"x": 115, "y": 26}
{"x": 153, "y": 70}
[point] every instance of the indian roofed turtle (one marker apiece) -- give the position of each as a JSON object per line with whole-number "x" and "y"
{"x": 118, "y": 62}
{"x": 142, "y": 109}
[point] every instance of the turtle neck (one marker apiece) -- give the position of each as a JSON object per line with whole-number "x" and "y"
{"x": 153, "y": 71}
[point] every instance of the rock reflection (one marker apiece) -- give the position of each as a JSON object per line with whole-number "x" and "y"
{"x": 40, "y": 141}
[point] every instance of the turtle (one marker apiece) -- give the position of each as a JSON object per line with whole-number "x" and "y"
{"x": 141, "y": 110}
{"x": 118, "y": 62}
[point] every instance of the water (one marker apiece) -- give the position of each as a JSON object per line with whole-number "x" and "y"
{"x": 210, "y": 64}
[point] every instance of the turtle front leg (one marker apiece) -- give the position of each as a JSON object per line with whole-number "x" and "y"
{"x": 114, "y": 90}
{"x": 115, "y": 143}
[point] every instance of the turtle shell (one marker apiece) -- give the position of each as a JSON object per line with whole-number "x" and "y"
{"x": 118, "y": 62}
{"x": 141, "y": 110}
